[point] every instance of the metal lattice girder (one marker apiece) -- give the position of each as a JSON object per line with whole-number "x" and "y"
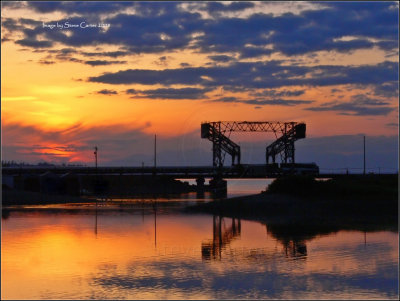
{"x": 215, "y": 132}
{"x": 252, "y": 126}
{"x": 220, "y": 143}
{"x": 285, "y": 144}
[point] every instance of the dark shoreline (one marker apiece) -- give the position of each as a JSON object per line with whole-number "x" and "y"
{"x": 288, "y": 218}
{"x": 23, "y": 198}
{"x": 19, "y": 197}
{"x": 301, "y": 218}
{"x": 353, "y": 202}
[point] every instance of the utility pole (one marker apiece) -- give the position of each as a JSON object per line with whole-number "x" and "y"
{"x": 155, "y": 153}
{"x": 95, "y": 156}
{"x": 96, "y": 185}
{"x": 364, "y": 154}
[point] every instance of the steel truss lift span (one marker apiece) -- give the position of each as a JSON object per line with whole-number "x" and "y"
{"x": 219, "y": 132}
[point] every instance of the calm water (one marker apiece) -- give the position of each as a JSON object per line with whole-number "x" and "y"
{"x": 146, "y": 252}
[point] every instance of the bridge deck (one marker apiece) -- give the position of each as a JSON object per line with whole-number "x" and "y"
{"x": 246, "y": 171}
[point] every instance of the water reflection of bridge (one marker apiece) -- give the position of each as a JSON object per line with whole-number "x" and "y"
{"x": 226, "y": 230}
{"x": 224, "y": 234}
{"x": 295, "y": 249}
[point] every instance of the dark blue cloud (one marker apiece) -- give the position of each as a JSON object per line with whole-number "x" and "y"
{"x": 226, "y": 99}
{"x": 46, "y": 7}
{"x": 103, "y": 62}
{"x": 107, "y": 92}
{"x": 359, "y": 19}
{"x": 214, "y": 7}
{"x": 346, "y": 46}
{"x": 158, "y": 27}
{"x": 27, "y": 42}
{"x": 66, "y": 54}
{"x": 389, "y": 89}
{"x": 221, "y": 58}
{"x": 154, "y": 8}
{"x": 263, "y": 102}
{"x": 80, "y": 7}
{"x": 360, "y": 105}
{"x": 25, "y": 21}
{"x": 50, "y": 34}
{"x": 310, "y": 31}
{"x": 276, "y": 93}
{"x": 169, "y": 93}
{"x": 113, "y": 54}
{"x": 250, "y": 52}
{"x": 12, "y": 4}
{"x": 46, "y": 62}
{"x": 189, "y": 76}
{"x": 388, "y": 45}
{"x": 232, "y": 34}
{"x": 278, "y": 102}
{"x": 147, "y": 35}
{"x": 256, "y": 75}
{"x": 361, "y": 99}
{"x": 64, "y": 51}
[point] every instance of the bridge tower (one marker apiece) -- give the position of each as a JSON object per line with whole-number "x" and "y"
{"x": 219, "y": 132}
{"x": 284, "y": 145}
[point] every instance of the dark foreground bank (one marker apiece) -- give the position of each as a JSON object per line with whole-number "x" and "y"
{"x": 20, "y": 197}
{"x": 51, "y": 188}
{"x": 347, "y": 203}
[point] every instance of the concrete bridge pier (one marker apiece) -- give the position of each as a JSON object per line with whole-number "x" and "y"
{"x": 200, "y": 187}
{"x": 219, "y": 186}
{"x": 200, "y": 183}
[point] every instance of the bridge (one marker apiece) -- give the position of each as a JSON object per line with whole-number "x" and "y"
{"x": 246, "y": 171}
{"x": 219, "y": 134}
{"x": 98, "y": 178}
{"x": 114, "y": 180}
{"x": 229, "y": 172}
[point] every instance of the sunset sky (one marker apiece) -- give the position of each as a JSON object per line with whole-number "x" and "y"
{"x": 162, "y": 68}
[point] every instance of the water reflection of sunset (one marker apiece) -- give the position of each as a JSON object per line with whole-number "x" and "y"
{"x": 74, "y": 254}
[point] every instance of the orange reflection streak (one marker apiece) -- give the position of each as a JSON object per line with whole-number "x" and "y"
{"x": 71, "y": 248}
